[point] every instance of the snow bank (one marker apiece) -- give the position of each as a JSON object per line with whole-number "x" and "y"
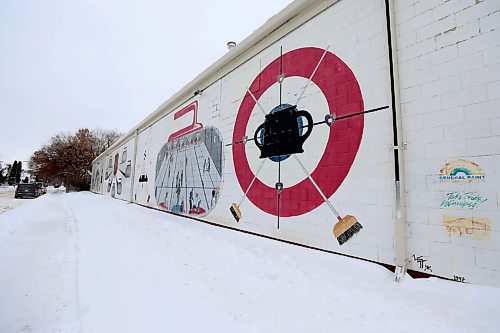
{"x": 6, "y": 188}
{"x": 82, "y": 262}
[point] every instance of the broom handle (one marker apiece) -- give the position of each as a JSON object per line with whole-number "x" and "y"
{"x": 317, "y": 188}
{"x": 251, "y": 183}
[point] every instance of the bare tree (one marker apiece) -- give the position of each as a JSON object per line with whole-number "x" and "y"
{"x": 105, "y": 138}
{"x": 68, "y": 158}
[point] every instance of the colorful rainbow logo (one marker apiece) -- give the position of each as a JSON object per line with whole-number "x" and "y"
{"x": 461, "y": 171}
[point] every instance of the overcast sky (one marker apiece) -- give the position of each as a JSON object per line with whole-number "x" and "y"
{"x": 107, "y": 64}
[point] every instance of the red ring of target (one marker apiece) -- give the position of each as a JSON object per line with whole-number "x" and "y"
{"x": 341, "y": 89}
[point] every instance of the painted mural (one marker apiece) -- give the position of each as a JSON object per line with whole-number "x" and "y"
{"x": 294, "y": 139}
{"x": 144, "y": 173}
{"x": 96, "y": 178}
{"x": 477, "y": 228}
{"x": 119, "y": 168}
{"x": 287, "y": 126}
{"x": 112, "y": 175}
{"x": 460, "y": 171}
{"x": 189, "y": 172}
{"x": 280, "y": 145}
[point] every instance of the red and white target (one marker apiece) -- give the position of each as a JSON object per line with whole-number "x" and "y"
{"x": 323, "y": 84}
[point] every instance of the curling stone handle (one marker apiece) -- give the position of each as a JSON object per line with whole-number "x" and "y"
{"x": 307, "y": 115}
{"x": 257, "y": 131}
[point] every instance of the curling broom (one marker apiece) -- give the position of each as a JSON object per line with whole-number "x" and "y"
{"x": 235, "y": 208}
{"x": 346, "y": 227}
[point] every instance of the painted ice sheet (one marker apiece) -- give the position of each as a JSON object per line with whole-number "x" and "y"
{"x": 188, "y": 173}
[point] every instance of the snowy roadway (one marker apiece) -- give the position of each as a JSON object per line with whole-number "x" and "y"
{"x": 7, "y": 200}
{"x": 81, "y": 262}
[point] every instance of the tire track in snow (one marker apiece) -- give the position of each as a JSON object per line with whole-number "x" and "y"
{"x": 73, "y": 228}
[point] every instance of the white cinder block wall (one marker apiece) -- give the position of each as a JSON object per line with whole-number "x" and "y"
{"x": 449, "y": 75}
{"x": 448, "y": 61}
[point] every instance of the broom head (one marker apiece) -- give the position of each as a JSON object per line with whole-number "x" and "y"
{"x": 346, "y": 228}
{"x": 235, "y": 210}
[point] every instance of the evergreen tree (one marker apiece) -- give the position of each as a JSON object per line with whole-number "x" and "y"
{"x": 12, "y": 173}
{"x": 19, "y": 170}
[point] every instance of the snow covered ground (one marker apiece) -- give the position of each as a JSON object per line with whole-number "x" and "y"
{"x": 7, "y": 200}
{"x": 80, "y": 262}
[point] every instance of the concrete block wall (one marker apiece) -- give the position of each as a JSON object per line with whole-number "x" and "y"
{"x": 448, "y": 56}
{"x": 449, "y": 74}
{"x": 351, "y": 75}
{"x": 367, "y": 192}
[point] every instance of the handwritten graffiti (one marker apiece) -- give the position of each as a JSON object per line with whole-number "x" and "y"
{"x": 477, "y": 228}
{"x": 464, "y": 200}
{"x": 458, "y": 278}
{"x": 421, "y": 263}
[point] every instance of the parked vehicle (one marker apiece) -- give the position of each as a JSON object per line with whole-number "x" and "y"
{"x": 28, "y": 190}
{"x": 43, "y": 188}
